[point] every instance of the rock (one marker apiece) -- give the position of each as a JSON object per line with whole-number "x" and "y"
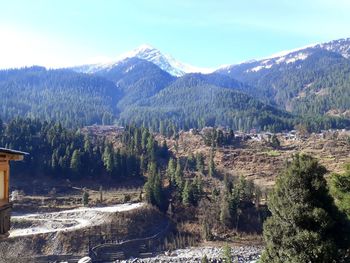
{"x": 85, "y": 260}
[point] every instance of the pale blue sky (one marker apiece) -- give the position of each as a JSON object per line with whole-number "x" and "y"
{"x": 204, "y": 33}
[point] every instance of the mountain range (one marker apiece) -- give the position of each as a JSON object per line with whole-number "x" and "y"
{"x": 310, "y": 85}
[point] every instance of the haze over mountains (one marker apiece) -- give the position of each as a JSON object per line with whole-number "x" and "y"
{"x": 310, "y": 85}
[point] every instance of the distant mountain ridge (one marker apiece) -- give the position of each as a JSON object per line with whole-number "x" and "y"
{"x": 310, "y": 85}
{"x": 312, "y": 80}
{"x": 177, "y": 68}
{"x": 340, "y": 46}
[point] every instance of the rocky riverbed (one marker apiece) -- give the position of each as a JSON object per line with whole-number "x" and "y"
{"x": 214, "y": 254}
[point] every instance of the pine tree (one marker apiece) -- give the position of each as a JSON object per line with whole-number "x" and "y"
{"x": 144, "y": 138}
{"x": 142, "y": 164}
{"x": 154, "y": 189}
{"x": 75, "y": 163}
{"x": 186, "y": 194}
{"x": 54, "y": 161}
{"x": 305, "y": 225}
{"x": 170, "y": 172}
{"x": 197, "y": 188}
{"x": 108, "y": 159}
{"x": 225, "y": 216}
{"x": 199, "y": 163}
{"x": 161, "y": 128}
{"x": 275, "y": 143}
{"x": 340, "y": 190}
{"x": 85, "y": 198}
{"x": 151, "y": 151}
{"x": 211, "y": 165}
{"x": 178, "y": 175}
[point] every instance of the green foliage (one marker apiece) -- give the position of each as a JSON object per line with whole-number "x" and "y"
{"x": 179, "y": 175}
{"x": 72, "y": 98}
{"x": 218, "y": 137}
{"x": 275, "y": 143}
{"x": 192, "y": 191}
{"x": 85, "y": 198}
{"x": 225, "y": 215}
{"x": 150, "y": 97}
{"x": 227, "y": 253}
{"x": 206, "y": 232}
{"x": 205, "y": 259}
{"x": 199, "y": 104}
{"x": 75, "y": 163}
{"x": 66, "y": 153}
{"x": 170, "y": 172}
{"x": 108, "y": 159}
{"x": 186, "y": 194}
{"x": 211, "y": 164}
{"x": 305, "y": 225}
{"x": 200, "y": 163}
{"x": 153, "y": 188}
{"x": 340, "y": 190}
{"x": 309, "y": 87}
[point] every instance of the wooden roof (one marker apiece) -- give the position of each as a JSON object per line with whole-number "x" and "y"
{"x": 11, "y": 154}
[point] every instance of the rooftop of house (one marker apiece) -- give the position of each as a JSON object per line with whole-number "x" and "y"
{"x": 10, "y": 151}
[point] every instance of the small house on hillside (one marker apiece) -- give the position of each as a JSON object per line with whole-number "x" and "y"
{"x": 6, "y": 155}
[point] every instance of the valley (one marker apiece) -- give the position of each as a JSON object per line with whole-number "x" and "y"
{"x": 251, "y": 156}
{"x": 148, "y": 159}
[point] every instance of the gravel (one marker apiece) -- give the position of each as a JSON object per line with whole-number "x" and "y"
{"x": 214, "y": 254}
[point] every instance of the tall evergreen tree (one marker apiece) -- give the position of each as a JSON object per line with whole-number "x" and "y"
{"x": 179, "y": 175}
{"x": 170, "y": 172}
{"x": 305, "y": 225}
{"x": 75, "y": 163}
{"x": 225, "y": 216}
{"x": 108, "y": 159}
{"x": 211, "y": 164}
{"x": 186, "y": 194}
{"x": 340, "y": 189}
{"x": 199, "y": 163}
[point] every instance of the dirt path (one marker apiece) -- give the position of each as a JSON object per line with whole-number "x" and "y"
{"x": 30, "y": 224}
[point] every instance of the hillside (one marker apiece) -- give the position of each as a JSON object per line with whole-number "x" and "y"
{"x": 137, "y": 79}
{"x": 135, "y": 91}
{"x": 193, "y": 102}
{"x": 254, "y": 158}
{"x": 60, "y": 95}
{"x": 309, "y": 81}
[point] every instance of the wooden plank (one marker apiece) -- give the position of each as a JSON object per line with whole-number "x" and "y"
{"x": 11, "y": 157}
{"x": 6, "y": 182}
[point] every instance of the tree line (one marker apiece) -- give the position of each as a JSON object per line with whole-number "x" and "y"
{"x": 69, "y": 154}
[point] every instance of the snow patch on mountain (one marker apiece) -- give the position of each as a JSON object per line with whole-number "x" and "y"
{"x": 289, "y": 58}
{"x": 340, "y": 46}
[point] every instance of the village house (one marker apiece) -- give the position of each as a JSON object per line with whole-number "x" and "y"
{"x": 6, "y": 155}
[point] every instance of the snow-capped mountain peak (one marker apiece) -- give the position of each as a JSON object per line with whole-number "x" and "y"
{"x": 151, "y": 54}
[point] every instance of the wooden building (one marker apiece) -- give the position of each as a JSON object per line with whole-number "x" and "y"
{"x": 6, "y": 155}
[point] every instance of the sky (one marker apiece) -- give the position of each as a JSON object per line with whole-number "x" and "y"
{"x": 61, "y": 33}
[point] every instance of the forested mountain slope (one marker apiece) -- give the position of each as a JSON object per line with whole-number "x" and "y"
{"x": 192, "y": 101}
{"x": 137, "y": 79}
{"x": 74, "y": 99}
{"x": 138, "y": 91}
{"x": 308, "y": 81}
